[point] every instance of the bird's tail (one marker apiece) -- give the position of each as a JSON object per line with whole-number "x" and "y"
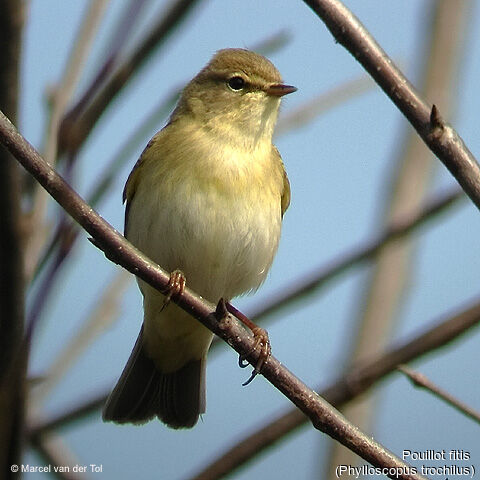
{"x": 143, "y": 392}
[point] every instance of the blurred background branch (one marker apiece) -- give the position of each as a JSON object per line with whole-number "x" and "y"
{"x": 441, "y": 139}
{"x": 384, "y": 293}
{"x": 421, "y": 381}
{"x": 13, "y": 355}
{"x": 60, "y": 96}
{"x": 84, "y": 115}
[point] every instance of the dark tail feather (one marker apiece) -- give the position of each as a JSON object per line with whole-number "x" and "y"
{"x": 143, "y": 392}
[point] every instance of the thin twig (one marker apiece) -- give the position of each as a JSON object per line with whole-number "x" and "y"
{"x": 75, "y": 60}
{"x": 420, "y": 380}
{"x": 272, "y": 43}
{"x": 440, "y": 137}
{"x": 356, "y": 381}
{"x": 42, "y": 294}
{"x": 383, "y": 294}
{"x": 75, "y": 129}
{"x": 314, "y": 107}
{"x": 324, "y": 417}
{"x": 441, "y": 202}
{"x": 56, "y": 455}
{"x": 69, "y": 416}
{"x": 117, "y": 42}
{"x": 104, "y": 312}
{"x": 58, "y": 103}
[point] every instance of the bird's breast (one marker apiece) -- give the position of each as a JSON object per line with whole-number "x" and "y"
{"x": 217, "y": 218}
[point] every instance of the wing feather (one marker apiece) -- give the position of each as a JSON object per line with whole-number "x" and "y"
{"x": 285, "y": 199}
{"x": 133, "y": 179}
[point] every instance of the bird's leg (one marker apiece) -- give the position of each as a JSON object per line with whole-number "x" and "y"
{"x": 176, "y": 286}
{"x": 262, "y": 342}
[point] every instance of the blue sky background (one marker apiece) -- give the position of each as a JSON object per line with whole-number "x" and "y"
{"x": 338, "y": 166}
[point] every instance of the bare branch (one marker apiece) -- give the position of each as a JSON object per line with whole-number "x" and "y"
{"x": 58, "y": 103}
{"x": 56, "y": 454}
{"x": 79, "y": 123}
{"x": 324, "y": 417}
{"x": 117, "y": 42}
{"x": 73, "y": 69}
{"x": 440, "y": 137}
{"x": 328, "y": 273}
{"x": 273, "y": 42}
{"x": 356, "y": 381}
{"x": 104, "y": 312}
{"x": 384, "y": 292}
{"x": 421, "y": 381}
{"x": 71, "y": 415}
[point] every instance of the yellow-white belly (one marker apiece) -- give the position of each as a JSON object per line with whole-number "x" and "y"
{"x": 219, "y": 227}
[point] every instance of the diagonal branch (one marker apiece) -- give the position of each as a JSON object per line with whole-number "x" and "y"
{"x": 39, "y": 428}
{"x": 55, "y": 453}
{"x": 120, "y": 37}
{"x": 103, "y": 314}
{"x": 320, "y": 278}
{"x": 60, "y": 97}
{"x": 440, "y": 137}
{"x": 78, "y": 124}
{"x": 421, "y": 381}
{"x": 386, "y": 288}
{"x": 356, "y": 381}
{"x": 323, "y": 416}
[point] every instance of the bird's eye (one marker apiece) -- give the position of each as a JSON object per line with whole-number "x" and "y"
{"x": 236, "y": 83}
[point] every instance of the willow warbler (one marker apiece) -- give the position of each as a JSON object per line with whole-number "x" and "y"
{"x": 206, "y": 198}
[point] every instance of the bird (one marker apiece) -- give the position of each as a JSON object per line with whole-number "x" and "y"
{"x": 205, "y": 201}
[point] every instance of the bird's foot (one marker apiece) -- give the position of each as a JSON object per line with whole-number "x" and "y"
{"x": 261, "y": 343}
{"x": 175, "y": 287}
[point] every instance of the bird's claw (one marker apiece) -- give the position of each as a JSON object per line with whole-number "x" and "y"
{"x": 242, "y": 362}
{"x": 262, "y": 343}
{"x": 175, "y": 287}
{"x": 260, "y": 335}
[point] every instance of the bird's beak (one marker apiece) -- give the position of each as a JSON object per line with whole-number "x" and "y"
{"x": 279, "y": 89}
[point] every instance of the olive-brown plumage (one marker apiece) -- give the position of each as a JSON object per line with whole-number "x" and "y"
{"x": 207, "y": 197}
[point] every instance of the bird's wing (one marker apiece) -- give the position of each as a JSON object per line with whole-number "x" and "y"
{"x": 285, "y": 200}
{"x": 133, "y": 179}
